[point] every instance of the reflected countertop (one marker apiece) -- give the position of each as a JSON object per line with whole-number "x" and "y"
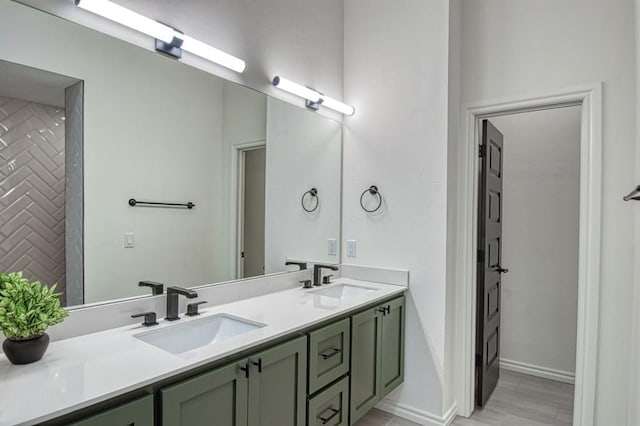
{"x": 79, "y": 372}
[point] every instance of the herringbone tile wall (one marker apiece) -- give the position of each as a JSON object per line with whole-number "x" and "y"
{"x": 32, "y": 191}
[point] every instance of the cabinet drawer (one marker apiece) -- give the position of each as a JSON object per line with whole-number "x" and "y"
{"x": 330, "y": 407}
{"x": 328, "y": 354}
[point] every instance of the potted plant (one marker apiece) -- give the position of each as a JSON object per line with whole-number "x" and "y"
{"x": 26, "y": 310}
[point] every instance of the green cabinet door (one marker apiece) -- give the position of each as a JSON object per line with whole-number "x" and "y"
{"x": 377, "y": 355}
{"x": 216, "y": 398}
{"x": 392, "y": 359}
{"x": 277, "y": 385}
{"x": 366, "y": 328}
{"x": 134, "y": 413}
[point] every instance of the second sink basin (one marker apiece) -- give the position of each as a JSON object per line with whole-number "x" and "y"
{"x": 193, "y": 334}
{"x": 343, "y": 291}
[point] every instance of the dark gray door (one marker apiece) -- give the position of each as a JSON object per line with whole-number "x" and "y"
{"x": 489, "y": 263}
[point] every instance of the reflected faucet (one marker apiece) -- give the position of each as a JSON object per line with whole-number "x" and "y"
{"x": 317, "y": 272}
{"x": 156, "y": 288}
{"x": 172, "y": 301}
{"x": 301, "y": 265}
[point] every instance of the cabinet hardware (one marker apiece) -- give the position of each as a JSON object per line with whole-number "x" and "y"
{"x": 258, "y": 364}
{"x": 246, "y": 370}
{"x": 385, "y": 310}
{"x": 332, "y": 352}
{"x": 332, "y": 413}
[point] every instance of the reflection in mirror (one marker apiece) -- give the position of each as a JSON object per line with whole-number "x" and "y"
{"x": 158, "y": 130}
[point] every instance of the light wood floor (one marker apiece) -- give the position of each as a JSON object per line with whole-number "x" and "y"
{"x": 519, "y": 400}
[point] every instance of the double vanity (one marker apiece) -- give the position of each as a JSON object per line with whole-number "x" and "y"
{"x": 296, "y": 356}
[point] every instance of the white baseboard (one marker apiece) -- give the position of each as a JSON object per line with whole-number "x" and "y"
{"x": 536, "y": 370}
{"x": 416, "y": 415}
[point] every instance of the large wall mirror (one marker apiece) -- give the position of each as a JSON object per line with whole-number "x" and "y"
{"x": 88, "y": 122}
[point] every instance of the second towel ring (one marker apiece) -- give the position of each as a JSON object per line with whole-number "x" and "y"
{"x": 313, "y": 192}
{"x": 373, "y": 190}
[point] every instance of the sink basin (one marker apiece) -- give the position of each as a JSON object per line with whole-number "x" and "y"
{"x": 343, "y": 291}
{"x": 194, "y": 334}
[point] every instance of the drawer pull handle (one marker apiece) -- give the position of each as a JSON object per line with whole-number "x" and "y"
{"x": 333, "y": 413}
{"x": 246, "y": 370}
{"x": 331, "y": 353}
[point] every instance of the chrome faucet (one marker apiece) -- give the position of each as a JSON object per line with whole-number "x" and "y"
{"x": 317, "y": 272}
{"x": 172, "y": 301}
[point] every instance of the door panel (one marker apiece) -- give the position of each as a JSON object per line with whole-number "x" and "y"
{"x": 218, "y": 397}
{"x": 366, "y": 328}
{"x": 392, "y": 359}
{"x": 489, "y": 263}
{"x": 253, "y": 244}
{"x": 278, "y": 384}
{"x": 135, "y": 413}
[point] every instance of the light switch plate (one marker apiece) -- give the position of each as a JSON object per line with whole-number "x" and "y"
{"x": 351, "y": 248}
{"x": 332, "y": 246}
{"x": 129, "y": 240}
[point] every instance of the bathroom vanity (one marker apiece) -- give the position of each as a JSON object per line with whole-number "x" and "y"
{"x": 295, "y": 357}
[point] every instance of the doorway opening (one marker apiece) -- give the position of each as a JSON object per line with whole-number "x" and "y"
{"x": 590, "y": 157}
{"x": 250, "y": 219}
{"x": 526, "y": 314}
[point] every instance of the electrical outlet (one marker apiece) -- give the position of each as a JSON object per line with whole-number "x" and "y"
{"x": 351, "y": 248}
{"x": 129, "y": 240}
{"x": 332, "y": 246}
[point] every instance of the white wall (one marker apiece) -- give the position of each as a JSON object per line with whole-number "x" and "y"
{"x": 301, "y": 40}
{"x": 144, "y": 138}
{"x": 244, "y": 121}
{"x": 520, "y": 47}
{"x": 396, "y": 62}
{"x": 303, "y": 151}
{"x": 540, "y": 218}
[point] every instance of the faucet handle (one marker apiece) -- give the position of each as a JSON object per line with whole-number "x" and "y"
{"x": 149, "y": 318}
{"x": 326, "y": 279}
{"x": 192, "y": 308}
{"x": 306, "y": 284}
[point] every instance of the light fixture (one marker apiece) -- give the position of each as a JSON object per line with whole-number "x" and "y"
{"x": 314, "y": 99}
{"x": 168, "y": 40}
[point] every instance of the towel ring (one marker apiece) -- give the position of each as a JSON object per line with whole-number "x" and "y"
{"x": 373, "y": 190}
{"x": 313, "y": 192}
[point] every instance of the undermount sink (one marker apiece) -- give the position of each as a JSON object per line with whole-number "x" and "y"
{"x": 194, "y": 334}
{"x": 343, "y": 291}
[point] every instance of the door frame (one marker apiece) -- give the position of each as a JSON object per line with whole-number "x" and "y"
{"x": 237, "y": 200}
{"x": 590, "y": 98}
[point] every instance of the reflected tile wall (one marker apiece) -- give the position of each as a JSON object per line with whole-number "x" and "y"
{"x": 32, "y": 191}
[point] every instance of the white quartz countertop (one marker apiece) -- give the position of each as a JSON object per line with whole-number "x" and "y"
{"x": 82, "y": 371}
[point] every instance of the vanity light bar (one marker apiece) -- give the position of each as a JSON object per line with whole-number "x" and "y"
{"x": 128, "y": 18}
{"x": 337, "y": 105}
{"x": 314, "y": 98}
{"x": 210, "y": 53}
{"x": 164, "y": 33}
{"x": 296, "y": 89}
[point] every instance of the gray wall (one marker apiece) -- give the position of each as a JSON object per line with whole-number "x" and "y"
{"x": 541, "y": 207}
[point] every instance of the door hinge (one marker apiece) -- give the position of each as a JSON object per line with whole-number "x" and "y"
{"x": 478, "y": 361}
{"x": 483, "y": 151}
{"x": 242, "y": 254}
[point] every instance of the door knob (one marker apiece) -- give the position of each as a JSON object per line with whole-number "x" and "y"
{"x": 501, "y": 270}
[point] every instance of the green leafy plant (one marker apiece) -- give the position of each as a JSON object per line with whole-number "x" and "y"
{"x": 27, "y": 308}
